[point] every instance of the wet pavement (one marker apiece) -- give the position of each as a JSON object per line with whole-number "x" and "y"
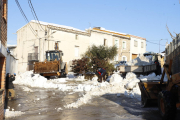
{"x": 43, "y": 104}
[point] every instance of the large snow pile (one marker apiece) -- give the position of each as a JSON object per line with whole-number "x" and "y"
{"x": 141, "y": 60}
{"x": 115, "y": 78}
{"x": 117, "y": 85}
{"x": 151, "y": 76}
{"x": 11, "y": 114}
{"x": 35, "y": 80}
{"x": 71, "y": 76}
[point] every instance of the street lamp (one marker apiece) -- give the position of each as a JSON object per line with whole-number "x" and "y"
{"x": 160, "y": 41}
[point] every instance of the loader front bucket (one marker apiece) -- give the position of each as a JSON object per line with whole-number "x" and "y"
{"x": 150, "y": 91}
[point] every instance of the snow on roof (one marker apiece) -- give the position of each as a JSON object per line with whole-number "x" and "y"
{"x": 137, "y": 37}
{"x": 101, "y": 28}
{"x": 10, "y": 46}
{"x": 63, "y": 26}
{"x": 117, "y": 32}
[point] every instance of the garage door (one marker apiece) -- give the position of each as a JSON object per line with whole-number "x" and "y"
{"x": 134, "y": 56}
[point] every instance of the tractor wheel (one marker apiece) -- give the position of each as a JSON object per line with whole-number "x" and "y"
{"x": 159, "y": 70}
{"x": 63, "y": 75}
{"x": 48, "y": 77}
{"x": 144, "y": 102}
{"x": 167, "y": 105}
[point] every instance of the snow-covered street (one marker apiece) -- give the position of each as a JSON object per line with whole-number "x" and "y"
{"x": 75, "y": 98}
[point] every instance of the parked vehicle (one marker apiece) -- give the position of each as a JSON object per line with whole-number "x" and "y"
{"x": 146, "y": 69}
{"x": 52, "y": 66}
{"x": 119, "y": 64}
{"x": 166, "y": 94}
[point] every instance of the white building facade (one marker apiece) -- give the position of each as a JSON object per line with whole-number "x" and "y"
{"x": 73, "y": 42}
{"x": 11, "y": 60}
{"x": 138, "y": 45}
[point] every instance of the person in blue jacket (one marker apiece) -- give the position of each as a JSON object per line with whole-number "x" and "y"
{"x": 101, "y": 73}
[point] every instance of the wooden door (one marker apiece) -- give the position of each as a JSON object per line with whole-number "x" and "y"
{"x": 134, "y": 56}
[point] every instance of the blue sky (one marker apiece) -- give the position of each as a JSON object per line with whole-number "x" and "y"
{"x": 145, "y": 18}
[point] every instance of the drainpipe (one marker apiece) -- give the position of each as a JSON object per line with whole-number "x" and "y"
{"x": 48, "y": 39}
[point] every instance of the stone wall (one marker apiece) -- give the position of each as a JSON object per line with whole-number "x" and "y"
{"x": 173, "y": 53}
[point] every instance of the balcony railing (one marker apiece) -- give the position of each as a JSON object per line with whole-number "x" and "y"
{"x": 33, "y": 56}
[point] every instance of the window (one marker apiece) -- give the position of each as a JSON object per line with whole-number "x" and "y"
{"x": 124, "y": 44}
{"x": 117, "y": 43}
{"x": 116, "y": 58}
{"x": 76, "y": 51}
{"x": 105, "y": 42}
{"x": 135, "y": 43}
{"x": 142, "y": 45}
{"x": 5, "y": 9}
{"x": 124, "y": 58}
{"x": 36, "y": 49}
{"x": 51, "y": 56}
{"x": 77, "y": 37}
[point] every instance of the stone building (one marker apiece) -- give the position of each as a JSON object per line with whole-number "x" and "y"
{"x": 73, "y": 42}
{"x": 110, "y": 38}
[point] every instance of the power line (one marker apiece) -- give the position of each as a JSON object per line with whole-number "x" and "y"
{"x": 23, "y": 14}
{"x": 155, "y": 43}
{"x": 34, "y": 13}
{"x": 155, "y": 40}
{"x": 25, "y": 17}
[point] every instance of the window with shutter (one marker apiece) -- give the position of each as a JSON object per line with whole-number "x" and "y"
{"x": 124, "y": 45}
{"x": 116, "y": 58}
{"x": 117, "y": 43}
{"x": 105, "y": 42}
{"x": 142, "y": 45}
{"x": 135, "y": 43}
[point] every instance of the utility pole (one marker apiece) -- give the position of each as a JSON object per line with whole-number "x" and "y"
{"x": 39, "y": 49}
{"x": 48, "y": 39}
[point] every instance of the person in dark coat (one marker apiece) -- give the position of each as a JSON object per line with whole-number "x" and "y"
{"x": 10, "y": 86}
{"x": 101, "y": 73}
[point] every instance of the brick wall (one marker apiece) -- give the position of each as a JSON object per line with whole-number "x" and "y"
{"x": 2, "y": 85}
{"x": 3, "y": 38}
{"x": 1, "y": 105}
{"x": 3, "y": 23}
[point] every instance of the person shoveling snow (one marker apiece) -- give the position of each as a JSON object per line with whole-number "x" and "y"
{"x": 101, "y": 72}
